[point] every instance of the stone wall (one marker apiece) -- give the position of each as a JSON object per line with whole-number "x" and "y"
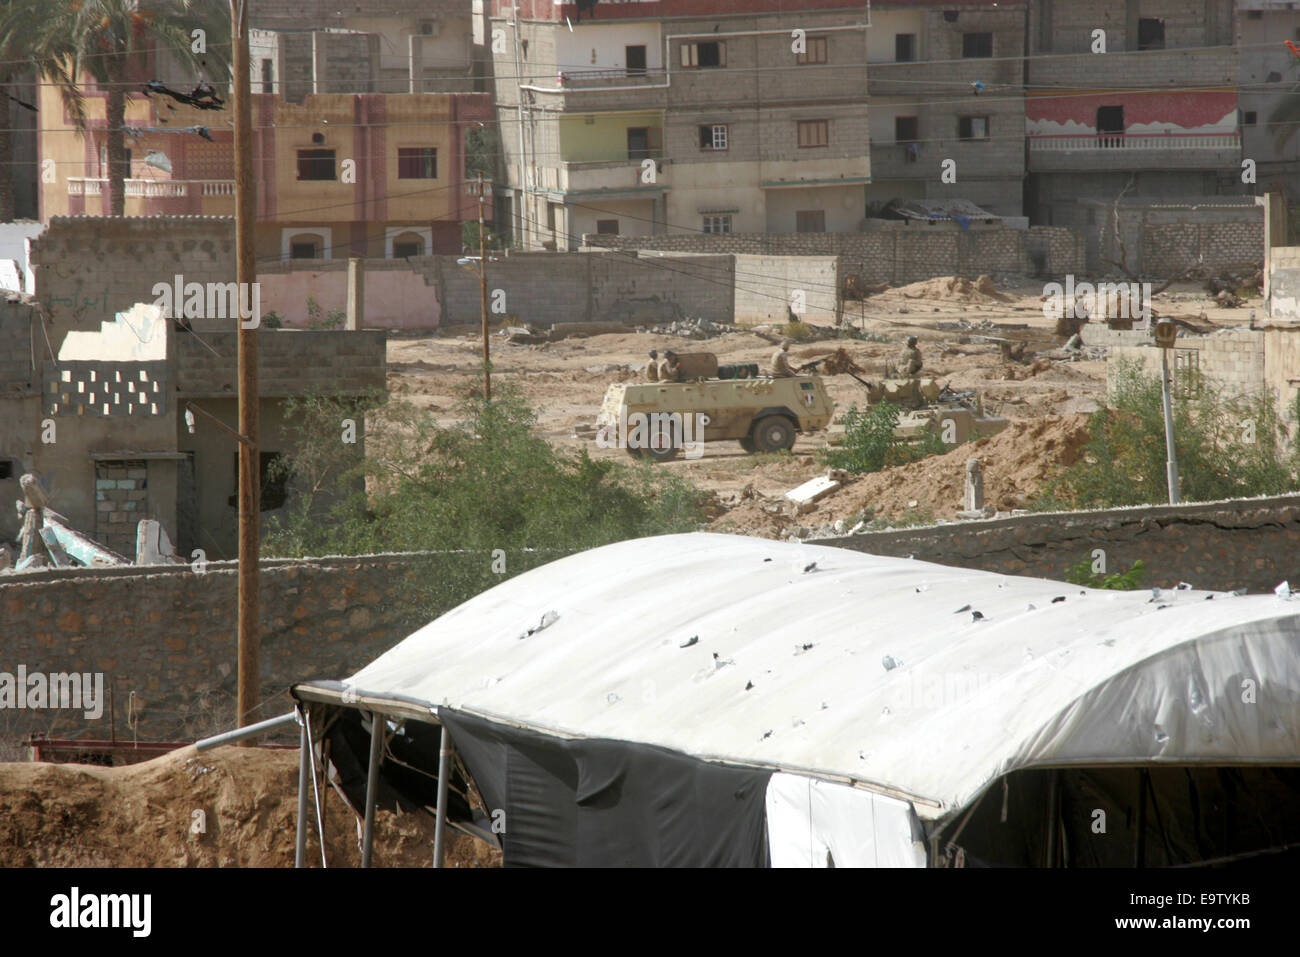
{"x": 1233, "y": 359}
{"x": 168, "y": 635}
{"x": 767, "y": 287}
{"x": 1284, "y": 284}
{"x": 289, "y": 362}
{"x": 1248, "y": 543}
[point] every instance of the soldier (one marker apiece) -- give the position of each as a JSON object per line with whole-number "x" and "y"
{"x": 670, "y": 369}
{"x": 909, "y": 360}
{"x": 781, "y": 362}
{"x": 652, "y": 368}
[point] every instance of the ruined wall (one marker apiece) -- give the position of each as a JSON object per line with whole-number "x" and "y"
{"x": 1284, "y": 284}
{"x": 89, "y": 268}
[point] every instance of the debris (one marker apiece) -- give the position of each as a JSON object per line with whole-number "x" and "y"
{"x": 693, "y": 640}
{"x": 1058, "y": 598}
{"x": 961, "y": 609}
{"x": 810, "y": 567}
{"x": 812, "y": 490}
{"x": 977, "y": 616}
{"x": 1283, "y": 591}
{"x": 548, "y": 619}
{"x": 749, "y": 685}
{"x": 889, "y": 663}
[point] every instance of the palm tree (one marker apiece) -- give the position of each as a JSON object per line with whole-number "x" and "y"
{"x": 111, "y": 41}
{"x": 19, "y": 23}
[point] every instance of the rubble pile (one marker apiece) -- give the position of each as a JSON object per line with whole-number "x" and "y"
{"x": 688, "y": 328}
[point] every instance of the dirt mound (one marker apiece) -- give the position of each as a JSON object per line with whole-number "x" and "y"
{"x": 954, "y": 289}
{"x": 144, "y": 815}
{"x": 1016, "y": 462}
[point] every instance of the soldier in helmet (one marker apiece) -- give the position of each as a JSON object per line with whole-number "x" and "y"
{"x": 652, "y": 367}
{"x": 781, "y": 361}
{"x": 909, "y": 360}
{"x": 670, "y": 370}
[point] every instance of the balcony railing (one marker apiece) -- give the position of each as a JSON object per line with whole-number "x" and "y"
{"x": 1134, "y": 141}
{"x": 596, "y": 79}
{"x": 153, "y": 188}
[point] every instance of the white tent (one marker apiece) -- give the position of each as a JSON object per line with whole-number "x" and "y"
{"x": 911, "y": 681}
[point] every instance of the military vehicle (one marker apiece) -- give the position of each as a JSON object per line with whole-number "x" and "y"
{"x": 660, "y": 419}
{"x": 928, "y": 407}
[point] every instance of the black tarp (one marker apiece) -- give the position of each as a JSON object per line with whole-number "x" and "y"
{"x": 604, "y": 803}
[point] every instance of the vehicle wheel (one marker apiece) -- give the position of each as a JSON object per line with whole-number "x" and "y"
{"x": 661, "y": 447}
{"x": 747, "y": 443}
{"x": 773, "y": 433}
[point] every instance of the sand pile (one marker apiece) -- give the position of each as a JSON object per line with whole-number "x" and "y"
{"x": 143, "y": 815}
{"x": 954, "y": 289}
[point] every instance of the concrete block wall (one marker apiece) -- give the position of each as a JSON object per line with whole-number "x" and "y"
{"x": 290, "y": 362}
{"x": 118, "y": 260}
{"x": 121, "y": 495}
{"x": 1233, "y": 359}
{"x": 766, "y": 286}
{"x": 1284, "y": 284}
{"x": 18, "y": 321}
{"x": 399, "y": 293}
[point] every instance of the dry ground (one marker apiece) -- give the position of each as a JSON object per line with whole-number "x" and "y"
{"x": 1046, "y": 400}
{"x": 141, "y": 815}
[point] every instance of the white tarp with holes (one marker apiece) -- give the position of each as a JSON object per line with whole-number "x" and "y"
{"x": 914, "y": 680}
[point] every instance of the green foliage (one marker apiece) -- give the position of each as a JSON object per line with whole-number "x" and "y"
{"x": 487, "y": 487}
{"x": 1227, "y": 447}
{"x": 797, "y": 330}
{"x": 482, "y": 147}
{"x": 1131, "y": 580}
{"x": 273, "y": 320}
{"x": 469, "y": 236}
{"x": 318, "y": 320}
{"x": 871, "y": 445}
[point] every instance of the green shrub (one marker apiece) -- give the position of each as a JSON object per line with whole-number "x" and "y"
{"x": 1226, "y": 447}
{"x": 1131, "y": 580}
{"x": 797, "y": 330}
{"x": 871, "y": 445}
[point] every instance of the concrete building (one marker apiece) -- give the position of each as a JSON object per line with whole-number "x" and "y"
{"x": 1268, "y": 77}
{"x": 341, "y": 170}
{"x": 1129, "y": 93}
{"x": 669, "y": 116}
{"x": 925, "y": 60}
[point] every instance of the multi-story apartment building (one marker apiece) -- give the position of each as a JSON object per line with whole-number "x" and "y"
{"x": 680, "y": 115}
{"x": 1129, "y": 93}
{"x": 1270, "y": 79}
{"x": 341, "y": 171}
{"x": 946, "y": 83}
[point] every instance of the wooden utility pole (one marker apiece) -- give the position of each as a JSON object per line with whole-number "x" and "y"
{"x": 249, "y": 465}
{"x": 482, "y": 282}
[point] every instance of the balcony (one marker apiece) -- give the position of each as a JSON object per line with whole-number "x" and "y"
{"x": 622, "y": 177}
{"x": 607, "y": 79}
{"x": 1105, "y": 151}
{"x": 147, "y": 197}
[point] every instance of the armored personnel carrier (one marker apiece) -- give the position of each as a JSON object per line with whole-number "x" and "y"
{"x": 928, "y": 407}
{"x": 662, "y": 419}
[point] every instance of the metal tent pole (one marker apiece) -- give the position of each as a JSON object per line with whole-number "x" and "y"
{"x": 440, "y": 819}
{"x": 248, "y": 731}
{"x": 304, "y": 755}
{"x": 377, "y": 722}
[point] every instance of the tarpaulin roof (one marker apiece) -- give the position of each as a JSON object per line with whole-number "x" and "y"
{"x": 913, "y": 679}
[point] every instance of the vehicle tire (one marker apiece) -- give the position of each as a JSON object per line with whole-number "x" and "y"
{"x": 661, "y": 447}
{"x": 773, "y": 433}
{"x": 747, "y": 443}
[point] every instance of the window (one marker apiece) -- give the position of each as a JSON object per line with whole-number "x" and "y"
{"x": 976, "y": 45}
{"x": 1249, "y": 118}
{"x": 710, "y": 54}
{"x": 417, "y": 162}
{"x": 634, "y": 57}
{"x": 904, "y": 47}
{"x": 642, "y": 142}
{"x": 906, "y": 129}
{"x": 713, "y": 136}
{"x": 815, "y": 51}
{"x": 973, "y": 127}
{"x": 607, "y": 227}
{"x": 814, "y": 133}
{"x": 304, "y": 249}
{"x": 550, "y": 216}
{"x": 810, "y": 221}
{"x": 103, "y": 161}
{"x": 268, "y": 76}
{"x": 274, "y": 476}
{"x": 316, "y": 164}
{"x": 406, "y": 245}
{"x": 717, "y": 223}
{"x": 1151, "y": 34}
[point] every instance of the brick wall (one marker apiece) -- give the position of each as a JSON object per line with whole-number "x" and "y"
{"x": 289, "y": 362}
{"x": 18, "y": 322}
{"x": 1234, "y": 359}
{"x": 121, "y": 492}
